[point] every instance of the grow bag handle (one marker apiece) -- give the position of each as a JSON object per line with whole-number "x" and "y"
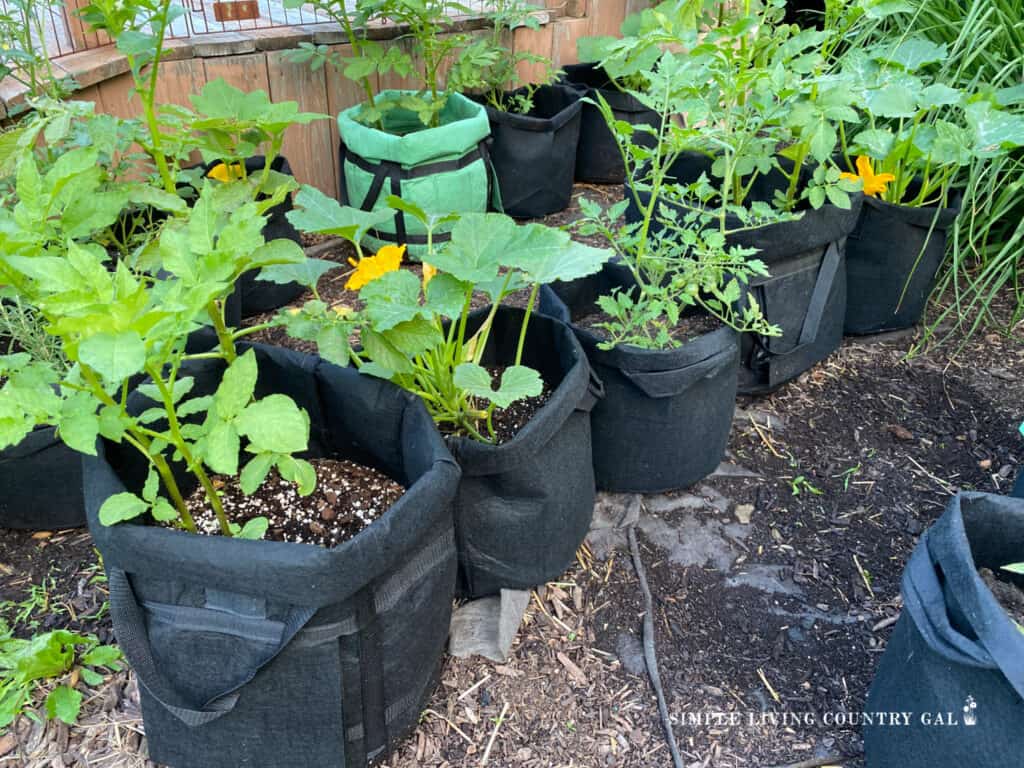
{"x": 940, "y": 572}
{"x": 395, "y": 173}
{"x": 658, "y": 384}
{"x": 595, "y": 392}
{"x": 134, "y": 643}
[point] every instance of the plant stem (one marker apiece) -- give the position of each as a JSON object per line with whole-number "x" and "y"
{"x": 194, "y": 465}
{"x": 526, "y": 320}
{"x": 224, "y": 336}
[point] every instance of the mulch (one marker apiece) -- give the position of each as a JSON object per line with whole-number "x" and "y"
{"x": 826, "y": 487}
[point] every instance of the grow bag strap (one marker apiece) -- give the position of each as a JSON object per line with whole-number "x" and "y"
{"x": 659, "y": 384}
{"x": 133, "y": 639}
{"x": 819, "y": 297}
{"x": 395, "y": 173}
{"x": 595, "y": 392}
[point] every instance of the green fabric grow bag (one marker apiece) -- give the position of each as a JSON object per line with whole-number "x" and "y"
{"x": 441, "y": 169}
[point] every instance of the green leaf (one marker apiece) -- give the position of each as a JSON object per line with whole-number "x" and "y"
{"x": 382, "y": 352}
{"x": 391, "y": 299}
{"x": 163, "y": 511}
{"x": 254, "y": 529}
{"x": 255, "y": 472}
{"x": 912, "y": 54}
{"x": 275, "y": 424}
{"x": 114, "y": 356}
{"x": 875, "y": 142}
{"x": 80, "y": 427}
{"x": 994, "y": 131}
{"x": 90, "y": 677}
{"x": 298, "y": 471}
{"x": 121, "y": 507}
{"x": 102, "y": 656}
{"x": 477, "y": 247}
{"x": 517, "y": 382}
{"x": 446, "y": 296}
{"x": 152, "y": 485}
{"x": 316, "y": 212}
{"x": 236, "y": 387}
{"x": 279, "y": 251}
{"x": 939, "y": 95}
{"x": 414, "y": 337}
{"x": 221, "y": 448}
{"x": 307, "y": 272}
{"x": 892, "y": 100}
{"x": 546, "y": 254}
{"x": 64, "y": 703}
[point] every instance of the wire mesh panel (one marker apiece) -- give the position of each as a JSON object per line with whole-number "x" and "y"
{"x": 57, "y": 28}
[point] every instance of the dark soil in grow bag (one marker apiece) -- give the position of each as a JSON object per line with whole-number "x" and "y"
{"x": 274, "y": 654}
{"x": 892, "y": 263}
{"x": 597, "y": 157}
{"x": 955, "y": 655}
{"x": 805, "y": 294}
{"x": 534, "y": 153}
{"x": 525, "y": 505}
{"x": 348, "y": 497}
{"x": 665, "y": 416}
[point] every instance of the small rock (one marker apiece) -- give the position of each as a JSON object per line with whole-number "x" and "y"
{"x": 630, "y": 651}
{"x": 985, "y": 463}
{"x": 1005, "y": 470}
{"x": 900, "y": 432}
{"x": 743, "y": 513}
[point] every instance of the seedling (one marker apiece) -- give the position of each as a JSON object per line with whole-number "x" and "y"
{"x": 801, "y": 484}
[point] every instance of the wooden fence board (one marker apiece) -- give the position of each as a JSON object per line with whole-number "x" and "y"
{"x": 308, "y": 148}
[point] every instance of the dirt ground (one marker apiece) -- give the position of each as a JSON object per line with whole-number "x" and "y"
{"x": 775, "y": 582}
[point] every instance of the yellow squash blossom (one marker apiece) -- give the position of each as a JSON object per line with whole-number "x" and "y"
{"x": 224, "y": 173}
{"x": 388, "y": 259}
{"x": 429, "y": 270}
{"x": 874, "y": 184}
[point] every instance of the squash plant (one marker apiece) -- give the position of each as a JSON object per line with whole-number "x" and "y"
{"x": 413, "y": 331}
{"x": 118, "y": 323}
{"x": 919, "y": 133}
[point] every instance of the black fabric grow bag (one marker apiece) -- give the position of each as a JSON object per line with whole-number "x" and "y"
{"x": 597, "y": 156}
{"x": 534, "y": 154}
{"x": 41, "y": 484}
{"x": 279, "y": 655}
{"x": 664, "y": 420}
{"x": 524, "y": 506}
{"x": 891, "y": 244}
{"x": 954, "y": 649}
{"x": 805, "y": 295}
